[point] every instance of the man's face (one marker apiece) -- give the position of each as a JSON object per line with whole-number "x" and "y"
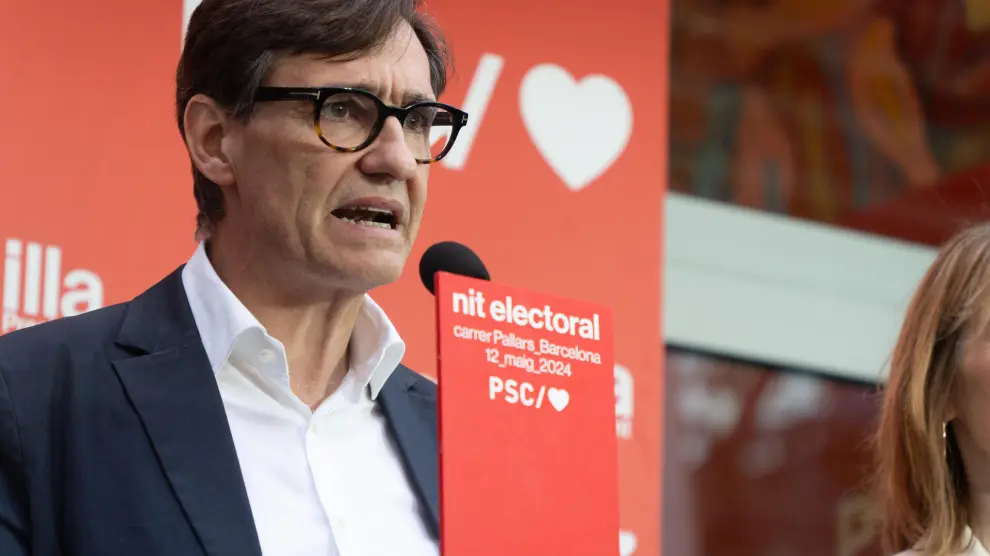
{"x": 288, "y": 184}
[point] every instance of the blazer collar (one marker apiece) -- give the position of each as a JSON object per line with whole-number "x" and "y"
{"x": 169, "y": 381}
{"x": 410, "y": 407}
{"x": 159, "y": 319}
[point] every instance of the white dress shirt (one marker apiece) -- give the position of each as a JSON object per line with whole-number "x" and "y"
{"x": 320, "y": 483}
{"x": 975, "y": 549}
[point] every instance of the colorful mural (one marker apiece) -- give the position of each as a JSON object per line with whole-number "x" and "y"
{"x": 825, "y": 108}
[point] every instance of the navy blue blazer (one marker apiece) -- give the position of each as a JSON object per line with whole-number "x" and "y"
{"x": 114, "y": 440}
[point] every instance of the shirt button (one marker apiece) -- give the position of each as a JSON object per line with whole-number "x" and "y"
{"x": 266, "y": 356}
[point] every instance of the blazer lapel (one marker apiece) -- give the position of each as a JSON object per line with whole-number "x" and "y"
{"x": 173, "y": 389}
{"x": 411, "y": 412}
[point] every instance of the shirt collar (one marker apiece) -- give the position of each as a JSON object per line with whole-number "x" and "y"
{"x": 376, "y": 348}
{"x": 970, "y": 543}
{"x": 978, "y": 549}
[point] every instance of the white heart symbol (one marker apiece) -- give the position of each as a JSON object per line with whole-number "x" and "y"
{"x": 558, "y": 398}
{"x": 579, "y": 128}
{"x": 627, "y": 543}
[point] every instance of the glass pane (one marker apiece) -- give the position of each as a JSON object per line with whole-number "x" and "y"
{"x": 760, "y": 461}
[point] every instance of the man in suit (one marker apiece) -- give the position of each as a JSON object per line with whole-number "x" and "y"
{"x": 253, "y": 402}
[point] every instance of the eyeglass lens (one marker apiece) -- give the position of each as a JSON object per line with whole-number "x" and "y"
{"x": 348, "y": 119}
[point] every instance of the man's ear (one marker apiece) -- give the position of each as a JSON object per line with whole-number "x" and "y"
{"x": 206, "y": 123}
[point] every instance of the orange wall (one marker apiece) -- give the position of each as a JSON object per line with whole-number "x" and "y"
{"x": 560, "y": 189}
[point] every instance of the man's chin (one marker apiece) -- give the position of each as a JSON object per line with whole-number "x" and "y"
{"x": 372, "y": 270}
{"x": 378, "y": 277}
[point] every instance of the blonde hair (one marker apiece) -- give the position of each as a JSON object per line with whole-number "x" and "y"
{"x": 921, "y": 483}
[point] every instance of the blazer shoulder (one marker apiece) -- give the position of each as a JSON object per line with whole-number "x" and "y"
{"x": 29, "y": 349}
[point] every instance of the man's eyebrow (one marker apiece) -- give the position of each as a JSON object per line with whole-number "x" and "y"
{"x": 411, "y": 97}
{"x": 408, "y": 97}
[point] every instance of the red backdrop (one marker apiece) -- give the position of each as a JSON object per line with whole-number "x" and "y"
{"x": 558, "y": 185}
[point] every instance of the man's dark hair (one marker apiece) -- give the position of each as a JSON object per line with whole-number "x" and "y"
{"x": 232, "y": 45}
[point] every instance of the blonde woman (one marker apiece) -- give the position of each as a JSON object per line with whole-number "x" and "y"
{"x": 933, "y": 443}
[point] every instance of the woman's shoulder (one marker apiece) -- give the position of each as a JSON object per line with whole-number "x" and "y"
{"x": 973, "y": 551}
{"x": 974, "y": 548}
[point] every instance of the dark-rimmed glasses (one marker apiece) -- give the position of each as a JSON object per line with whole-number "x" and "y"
{"x": 349, "y": 119}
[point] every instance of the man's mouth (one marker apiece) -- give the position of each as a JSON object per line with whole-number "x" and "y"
{"x": 367, "y": 216}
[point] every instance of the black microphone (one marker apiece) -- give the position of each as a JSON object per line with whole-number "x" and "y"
{"x": 452, "y": 257}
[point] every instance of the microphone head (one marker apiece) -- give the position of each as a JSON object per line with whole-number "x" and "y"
{"x": 452, "y": 257}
